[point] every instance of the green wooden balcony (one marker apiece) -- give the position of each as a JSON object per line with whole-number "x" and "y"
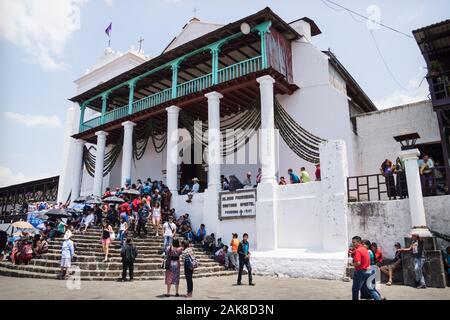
{"x": 189, "y": 87}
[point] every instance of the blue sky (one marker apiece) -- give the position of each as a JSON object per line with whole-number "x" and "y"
{"x": 44, "y": 47}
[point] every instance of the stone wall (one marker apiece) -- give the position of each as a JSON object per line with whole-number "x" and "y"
{"x": 387, "y": 222}
{"x": 376, "y": 131}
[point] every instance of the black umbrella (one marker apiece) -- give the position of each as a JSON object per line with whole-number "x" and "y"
{"x": 131, "y": 192}
{"x": 58, "y": 213}
{"x": 81, "y": 199}
{"x": 113, "y": 199}
{"x": 93, "y": 200}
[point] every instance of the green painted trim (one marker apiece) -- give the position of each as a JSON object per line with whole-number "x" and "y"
{"x": 104, "y": 101}
{"x": 262, "y": 29}
{"x": 82, "y": 109}
{"x": 131, "y": 85}
{"x": 175, "y": 66}
{"x": 265, "y": 26}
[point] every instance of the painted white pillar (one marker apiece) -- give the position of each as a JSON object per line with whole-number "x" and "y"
{"x": 127, "y": 150}
{"x": 267, "y": 132}
{"x": 214, "y": 140}
{"x": 418, "y": 221}
{"x": 99, "y": 162}
{"x": 77, "y": 169}
{"x": 172, "y": 148}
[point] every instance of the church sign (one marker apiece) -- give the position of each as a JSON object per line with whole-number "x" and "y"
{"x": 237, "y": 204}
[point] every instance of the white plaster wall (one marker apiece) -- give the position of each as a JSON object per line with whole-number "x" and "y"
{"x": 317, "y": 106}
{"x": 193, "y": 30}
{"x": 387, "y": 222}
{"x": 150, "y": 165}
{"x": 377, "y": 129}
{"x": 194, "y": 209}
{"x": 299, "y": 216}
{"x": 66, "y": 169}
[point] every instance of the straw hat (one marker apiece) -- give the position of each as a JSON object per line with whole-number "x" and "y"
{"x": 195, "y": 179}
{"x": 67, "y": 235}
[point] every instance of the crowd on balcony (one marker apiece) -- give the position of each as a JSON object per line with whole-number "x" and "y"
{"x": 395, "y": 177}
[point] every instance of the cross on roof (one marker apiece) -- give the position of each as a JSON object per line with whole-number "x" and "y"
{"x": 140, "y": 43}
{"x": 195, "y": 11}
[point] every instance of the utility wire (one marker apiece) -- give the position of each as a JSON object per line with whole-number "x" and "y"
{"x": 367, "y": 18}
{"x": 349, "y": 11}
{"x": 389, "y": 69}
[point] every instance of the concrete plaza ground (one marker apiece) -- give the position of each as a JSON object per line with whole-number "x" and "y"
{"x": 206, "y": 288}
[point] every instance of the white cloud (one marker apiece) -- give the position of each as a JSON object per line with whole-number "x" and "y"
{"x": 41, "y": 27}
{"x": 109, "y": 3}
{"x": 409, "y": 94}
{"x": 29, "y": 120}
{"x": 8, "y": 177}
{"x": 406, "y": 17}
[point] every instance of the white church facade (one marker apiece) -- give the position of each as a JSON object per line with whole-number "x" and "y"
{"x": 136, "y": 117}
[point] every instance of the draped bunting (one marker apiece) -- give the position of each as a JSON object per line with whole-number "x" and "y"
{"x": 304, "y": 144}
{"x": 245, "y": 125}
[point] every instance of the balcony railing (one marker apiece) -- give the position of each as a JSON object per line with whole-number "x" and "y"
{"x": 192, "y": 86}
{"x": 376, "y": 187}
{"x": 95, "y": 122}
{"x": 153, "y": 100}
{"x": 240, "y": 69}
{"x": 116, "y": 114}
{"x": 440, "y": 87}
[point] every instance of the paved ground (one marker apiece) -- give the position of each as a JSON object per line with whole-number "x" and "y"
{"x": 204, "y": 288}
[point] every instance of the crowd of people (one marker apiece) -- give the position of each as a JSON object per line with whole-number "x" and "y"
{"x": 395, "y": 177}
{"x": 366, "y": 258}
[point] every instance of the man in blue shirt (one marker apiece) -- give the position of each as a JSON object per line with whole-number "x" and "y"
{"x": 293, "y": 177}
{"x": 244, "y": 259}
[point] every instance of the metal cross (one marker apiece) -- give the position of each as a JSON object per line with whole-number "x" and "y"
{"x": 195, "y": 11}
{"x": 140, "y": 43}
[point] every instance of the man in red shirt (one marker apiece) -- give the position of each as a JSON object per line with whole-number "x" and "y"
{"x": 361, "y": 262}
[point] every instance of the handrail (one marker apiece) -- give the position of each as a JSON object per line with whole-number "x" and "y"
{"x": 192, "y": 86}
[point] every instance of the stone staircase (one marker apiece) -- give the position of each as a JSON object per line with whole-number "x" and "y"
{"x": 89, "y": 258}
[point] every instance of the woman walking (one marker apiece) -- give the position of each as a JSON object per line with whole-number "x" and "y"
{"x": 123, "y": 230}
{"x": 156, "y": 217}
{"x": 173, "y": 254}
{"x": 188, "y": 256}
{"x": 106, "y": 238}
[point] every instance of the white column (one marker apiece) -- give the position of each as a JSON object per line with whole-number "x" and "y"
{"x": 99, "y": 162}
{"x": 77, "y": 169}
{"x": 172, "y": 148}
{"x": 267, "y": 136}
{"x": 418, "y": 221}
{"x": 214, "y": 140}
{"x": 127, "y": 150}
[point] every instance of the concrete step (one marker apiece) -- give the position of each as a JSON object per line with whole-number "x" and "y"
{"x": 105, "y": 273}
{"x": 95, "y": 258}
{"x": 28, "y": 274}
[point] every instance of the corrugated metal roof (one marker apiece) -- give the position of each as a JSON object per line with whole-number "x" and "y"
{"x": 434, "y": 39}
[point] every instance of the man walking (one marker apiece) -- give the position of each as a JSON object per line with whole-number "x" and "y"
{"x": 129, "y": 254}
{"x": 169, "y": 232}
{"x": 244, "y": 259}
{"x": 361, "y": 262}
{"x": 416, "y": 249}
{"x": 142, "y": 219}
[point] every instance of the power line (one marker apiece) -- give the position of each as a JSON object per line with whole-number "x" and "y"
{"x": 364, "y": 17}
{"x": 389, "y": 69}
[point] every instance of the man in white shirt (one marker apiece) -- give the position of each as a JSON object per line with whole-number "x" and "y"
{"x": 195, "y": 189}
{"x": 169, "y": 232}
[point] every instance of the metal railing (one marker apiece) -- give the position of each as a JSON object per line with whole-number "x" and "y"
{"x": 378, "y": 187}
{"x": 192, "y": 86}
{"x": 240, "y": 69}
{"x": 153, "y": 100}
{"x": 440, "y": 85}
{"x": 116, "y": 114}
{"x": 95, "y": 122}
